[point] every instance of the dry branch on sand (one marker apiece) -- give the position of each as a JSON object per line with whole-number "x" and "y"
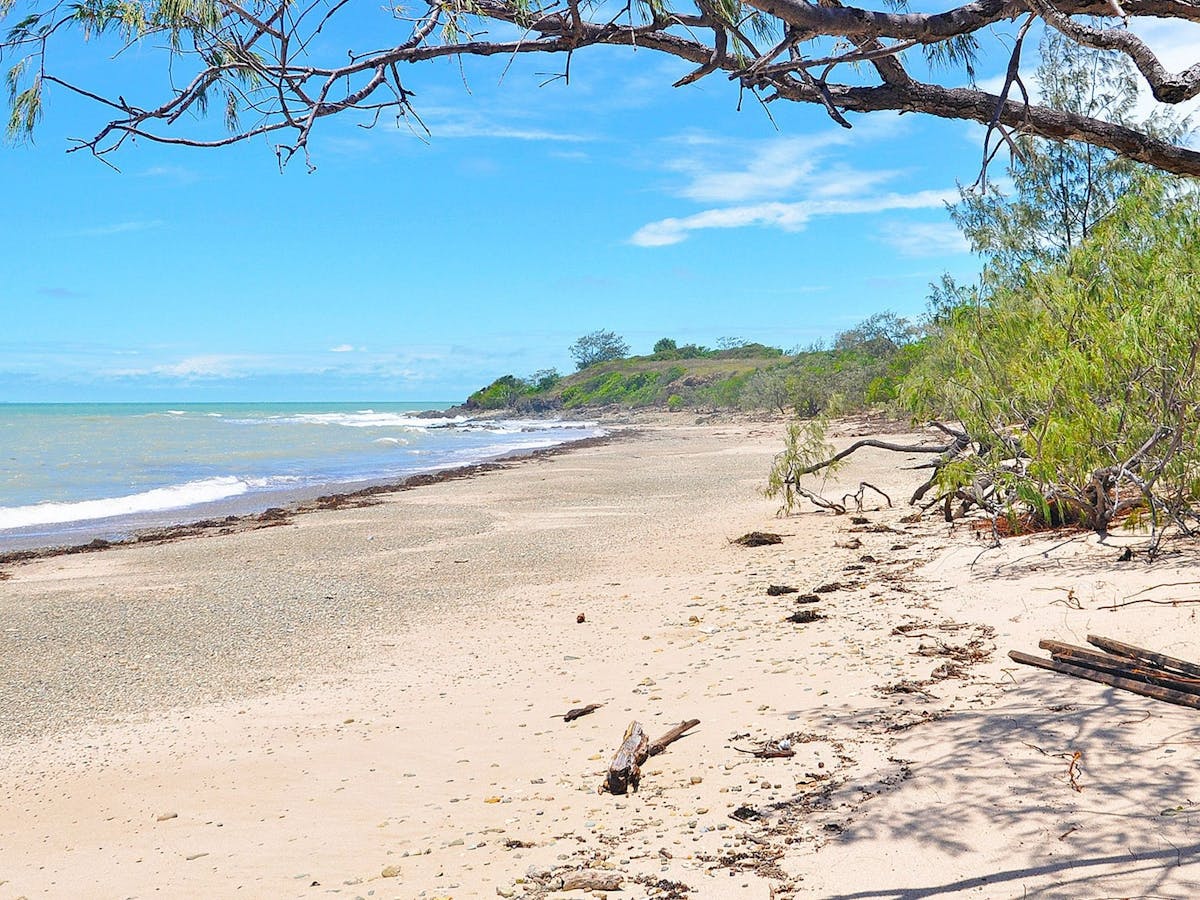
{"x": 624, "y": 772}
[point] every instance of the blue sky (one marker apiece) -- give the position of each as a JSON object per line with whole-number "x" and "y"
{"x": 411, "y": 269}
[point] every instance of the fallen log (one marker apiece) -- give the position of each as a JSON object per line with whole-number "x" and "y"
{"x": 1158, "y": 659}
{"x": 624, "y": 772}
{"x": 1167, "y": 695}
{"x": 1119, "y": 665}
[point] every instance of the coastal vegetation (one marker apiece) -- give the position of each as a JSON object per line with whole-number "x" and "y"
{"x": 1065, "y": 380}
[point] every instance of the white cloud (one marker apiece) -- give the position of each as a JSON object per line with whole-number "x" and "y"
{"x": 786, "y": 216}
{"x": 343, "y": 348}
{"x": 924, "y": 238}
{"x": 119, "y": 228}
{"x": 449, "y": 122}
{"x": 212, "y": 366}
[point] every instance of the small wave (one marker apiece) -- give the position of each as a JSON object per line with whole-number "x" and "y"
{"x": 176, "y": 496}
{"x": 363, "y": 419}
{"x": 393, "y": 441}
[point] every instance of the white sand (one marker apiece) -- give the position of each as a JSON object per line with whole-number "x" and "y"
{"x": 372, "y": 690}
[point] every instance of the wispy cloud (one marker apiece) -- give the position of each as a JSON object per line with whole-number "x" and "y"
{"x": 919, "y": 239}
{"x": 126, "y": 227}
{"x": 343, "y": 348}
{"x": 779, "y": 183}
{"x": 787, "y": 216}
{"x": 452, "y": 123}
{"x": 59, "y": 293}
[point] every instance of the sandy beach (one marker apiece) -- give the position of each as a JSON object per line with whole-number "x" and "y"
{"x": 367, "y": 701}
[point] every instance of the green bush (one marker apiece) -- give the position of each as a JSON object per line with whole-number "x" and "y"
{"x": 1079, "y": 381}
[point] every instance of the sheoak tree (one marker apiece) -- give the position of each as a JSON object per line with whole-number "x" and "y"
{"x": 278, "y": 67}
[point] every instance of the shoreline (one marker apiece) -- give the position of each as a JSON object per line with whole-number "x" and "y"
{"x": 369, "y": 700}
{"x": 271, "y": 515}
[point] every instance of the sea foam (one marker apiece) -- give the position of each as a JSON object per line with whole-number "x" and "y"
{"x": 175, "y": 496}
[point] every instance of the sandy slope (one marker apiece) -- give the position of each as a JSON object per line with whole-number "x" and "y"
{"x": 297, "y": 711}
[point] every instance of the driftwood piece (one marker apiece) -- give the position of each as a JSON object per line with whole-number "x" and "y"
{"x": 572, "y": 714}
{"x": 778, "y": 590}
{"x": 770, "y": 750}
{"x": 624, "y": 772}
{"x": 1120, "y": 665}
{"x": 1156, "y": 692}
{"x": 1158, "y": 659}
{"x": 657, "y": 747}
{"x": 588, "y": 880}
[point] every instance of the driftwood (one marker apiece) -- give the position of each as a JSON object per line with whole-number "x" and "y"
{"x": 657, "y": 747}
{"x": 1120, "y": 665}
{"x": 592, "y": 881}
{"x": 1156, "y": 692}
{"x": 1157, "y": 659}
{"x": 778, "y": 590}
{"x": 572, "y": 714}
{"x": 770, "y": 750}
{"x": 624, "y": 772}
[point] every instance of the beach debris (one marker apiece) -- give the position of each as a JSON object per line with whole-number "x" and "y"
{"x": 1134, "y": 669}
{"x": 758, "y": 539}
{"x": 778, "y": 590}
{"x": 390, "y": 872}
{"x": 624, "y": 772}
{"x": 858, "y": 497}
{"x": 802, "y": 616}
{"x": 165, "y": 817}
{"x": 592, "y": 880}
{"x": 852, "y": 544}
{"x": 859, "y": 520}
{"x": 830, "y": 587}
{"x": 580, "y": 619}
{"x": 745, "y": 814}
{"x": 781, "y": 749}
{"x": 808, "y": 598}
{"x": 578, "y": 712}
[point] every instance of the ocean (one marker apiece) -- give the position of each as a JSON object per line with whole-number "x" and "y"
{"x": 72, "y": 472}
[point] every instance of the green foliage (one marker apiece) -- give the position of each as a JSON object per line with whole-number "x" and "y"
{"x": 674, "y": 403}
{"x": 1061, "y": 189}
{"x": 597, "y": 347}
{"x": 664, "y": 345}
{"x": 1080, "y": 381}
{"x": 500, "y": 394}
{"x": 804, "y": 446}
{"x": 631, "y": 389}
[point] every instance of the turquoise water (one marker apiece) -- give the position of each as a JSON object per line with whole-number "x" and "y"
{"x": 100, "y": 468}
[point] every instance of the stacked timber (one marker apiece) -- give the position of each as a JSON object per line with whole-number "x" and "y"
{"x": 1123, "y": 666}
